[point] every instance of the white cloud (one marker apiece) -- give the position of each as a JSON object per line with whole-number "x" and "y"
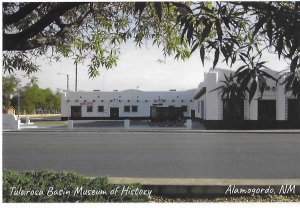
{"x": 137, "y": 68}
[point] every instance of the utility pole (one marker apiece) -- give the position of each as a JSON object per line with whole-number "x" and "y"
{"x": 76, "y": 76}
{"x": 68, "y": 82}
{"x": 18, "y": 103}
{"x": 67, "y": 79}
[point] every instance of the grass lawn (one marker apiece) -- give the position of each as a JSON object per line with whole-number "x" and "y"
{"x": 51, "y": 122}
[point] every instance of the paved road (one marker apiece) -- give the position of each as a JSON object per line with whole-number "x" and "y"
{"x": 164, "y": 155}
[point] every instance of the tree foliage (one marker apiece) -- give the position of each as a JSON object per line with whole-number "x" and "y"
{"x": 9, "y": 88}
{"x": 82, "y": 30}
{"x": 32, "y": 97}
{"x": 243, "y": 31}
{"x": 227, "y": 31}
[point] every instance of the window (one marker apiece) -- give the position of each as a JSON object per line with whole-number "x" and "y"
{"x": 89, "y": 109}
{"x": 233, "y": 110}
{"x": 292, "y": 110}
{"x": 184, "y": 108}
{"x": 101, "y": 108}
{"x": 134, "y": 108}
{"x": 202, "y": 109}
{"x": 126, "y": 108}
{"x": 267, "y": 110}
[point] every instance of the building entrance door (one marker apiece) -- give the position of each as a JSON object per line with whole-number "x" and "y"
{"x": 267, "y": 110}
{"x": 192, "y": 114}
{"x": 293, "y": 114}
{"x": 75, "y": 112}
{"x": 267, "y": 113}
{"x": 114, "y": 113}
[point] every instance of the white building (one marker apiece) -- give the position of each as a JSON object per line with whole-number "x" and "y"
{"x": 274, "y": 109}
{"x": 133, "y": 104}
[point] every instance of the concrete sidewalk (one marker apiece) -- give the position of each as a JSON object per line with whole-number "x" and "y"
{"x": 136, "y": 126}
{"x": 213, "y": 187}
{"x": 146, "y": 129}
{"x": 203, "y": 182}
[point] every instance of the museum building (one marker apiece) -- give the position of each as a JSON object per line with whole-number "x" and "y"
{"x": 127, "y": 104}
{"x": 275, "y": 109}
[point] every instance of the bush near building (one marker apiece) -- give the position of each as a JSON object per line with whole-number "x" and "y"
{"x": 64, "y": 181}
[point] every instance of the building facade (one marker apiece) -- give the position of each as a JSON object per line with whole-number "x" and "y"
{"x": 275, "y": 109}
{"x": 132, "y": 104}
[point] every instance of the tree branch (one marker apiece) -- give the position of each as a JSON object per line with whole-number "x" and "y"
{"x": 13, "y": 41}
{"x": 38, "y": 42}
{"x": 20, "y": 14}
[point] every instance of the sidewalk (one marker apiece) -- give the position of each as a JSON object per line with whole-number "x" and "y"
{"x": 141, "y": 128}
{"x": 179, "y": 187}
{"x": 154, "y": 130}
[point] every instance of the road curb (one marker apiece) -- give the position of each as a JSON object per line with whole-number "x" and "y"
{"x": 213, "y": 187}
{"x": 158, "y": 131}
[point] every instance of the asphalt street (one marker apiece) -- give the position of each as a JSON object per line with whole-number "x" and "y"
{"x": 159, "y": 155}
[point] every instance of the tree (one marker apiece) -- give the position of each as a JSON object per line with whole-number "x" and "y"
{"x": 80, "y": 30}
{"x": 34, "y": 98}
{"x": 233, "y": 96}
{"x": 30, "y": 98}
{"x": 10, "y": 86}
{"x": 230, "y": 31}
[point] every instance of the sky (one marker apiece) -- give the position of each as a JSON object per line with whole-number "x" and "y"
{"x": 137, "y": 68}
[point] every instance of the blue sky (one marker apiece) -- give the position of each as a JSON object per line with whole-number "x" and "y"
{"x": 138, "y": 68}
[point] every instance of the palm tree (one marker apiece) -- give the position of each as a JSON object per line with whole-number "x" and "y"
{"x": 233, "y": 95}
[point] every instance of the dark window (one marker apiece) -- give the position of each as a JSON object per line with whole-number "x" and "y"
{"x": 292, "y": 110}
{"x": 75, "y": 112}
{"x": 267, "y": 110}
{"x": 202, "y": 109}
{"x": 134, "y": 108}
{"x": 232, "y": 110}
{"x": 89, "y": 109}
{"x": 126, "y": 108}
{"x": 184, "y": 108}
{"x": 101, "y": 108}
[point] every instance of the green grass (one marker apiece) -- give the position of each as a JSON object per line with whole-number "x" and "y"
{"x": 51, "y": 122}
{"x": 66, "y": 184}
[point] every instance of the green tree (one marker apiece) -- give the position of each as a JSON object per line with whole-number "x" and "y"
{"x": 233, "y": 95}
{"x": 31, "y": 98}
{"x": 56, "y": 101}
{"x": 34, "y": 98}
{"x": 50, "y": 101}
{"x": 10, "y": 86}
{"x": 229, "y": 31}
{"x": 82, "y": 30}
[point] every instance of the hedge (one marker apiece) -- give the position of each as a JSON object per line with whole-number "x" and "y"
{"x": 49, "y": 186}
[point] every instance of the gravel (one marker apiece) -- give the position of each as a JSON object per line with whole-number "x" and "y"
{"x": 267, "y": 198}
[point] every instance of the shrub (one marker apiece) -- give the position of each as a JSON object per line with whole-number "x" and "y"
{"x": 67, "y": 184}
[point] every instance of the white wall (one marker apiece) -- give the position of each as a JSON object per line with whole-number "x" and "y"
{"x": 10, "y": 122}
{"x": 120, "y": 99}
{"x": 212, "y": 98}
{"x": 213, "y": 103}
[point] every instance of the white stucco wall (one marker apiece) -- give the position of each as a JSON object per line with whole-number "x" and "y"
{"x": 213, "y": 103}
{"x": 10, "y": 121}
{"x": 142, "y": 99}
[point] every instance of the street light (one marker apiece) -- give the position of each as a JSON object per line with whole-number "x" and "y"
{"x": 67, "y": 79}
